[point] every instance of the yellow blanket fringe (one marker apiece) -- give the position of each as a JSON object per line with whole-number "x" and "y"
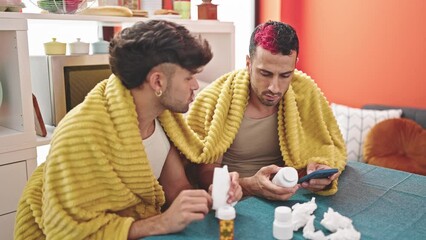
{"x": 97, "y": 179}
{"x": 307, "y": 129}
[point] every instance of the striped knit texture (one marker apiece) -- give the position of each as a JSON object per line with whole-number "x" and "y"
{"x": 97, "y": 180}
{"x": 307, "y": 129}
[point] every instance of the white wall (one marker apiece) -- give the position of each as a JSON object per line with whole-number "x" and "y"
{"x": 241, "y": 12}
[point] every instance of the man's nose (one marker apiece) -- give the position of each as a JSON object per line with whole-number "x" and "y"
{"x": 195, "y": 85}
{"x": 273, "y": 85}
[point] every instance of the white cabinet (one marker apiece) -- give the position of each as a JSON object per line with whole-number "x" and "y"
{"x": 20, "y": 36}
{"x": 15, "y": 173}
{"x": 7, "y": 222}
{"x": 17, "y": 134}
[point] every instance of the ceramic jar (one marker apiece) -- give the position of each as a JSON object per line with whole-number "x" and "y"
{"x": 79, "y": 48}
{"x": 100, "y": 47}
{"x": 55, "y": 48}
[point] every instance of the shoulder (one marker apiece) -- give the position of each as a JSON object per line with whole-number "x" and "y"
{"x": 302, "y": 79}
{"x": 303, "y": 84}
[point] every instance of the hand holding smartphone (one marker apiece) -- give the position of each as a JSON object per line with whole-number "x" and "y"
{"x": 322, "y": 173}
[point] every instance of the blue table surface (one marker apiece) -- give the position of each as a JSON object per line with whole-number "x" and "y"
{"x": 382, "y": 203}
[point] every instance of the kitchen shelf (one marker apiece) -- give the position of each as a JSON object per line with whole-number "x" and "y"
{"x": 200, "y": 26}
{"x": 12, "y": 140}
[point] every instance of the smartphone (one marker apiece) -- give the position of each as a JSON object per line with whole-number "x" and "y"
{"x": 322, "y": 173}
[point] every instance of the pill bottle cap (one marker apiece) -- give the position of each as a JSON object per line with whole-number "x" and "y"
{"x": 283, "y": 214}
{"x": 226, "y": 213}
{"x": 286, "y": 177}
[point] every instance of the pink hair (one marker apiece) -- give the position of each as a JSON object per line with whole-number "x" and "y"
{"x": 266, "y": 38}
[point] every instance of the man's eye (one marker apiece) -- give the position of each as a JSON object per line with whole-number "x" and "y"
{"x": 264, "y": 73}
{"x": 285, "y": 75}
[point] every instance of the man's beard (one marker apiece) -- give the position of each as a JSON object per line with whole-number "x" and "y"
{"x": 172, "y": 105}
{"x": 266, "y": 102}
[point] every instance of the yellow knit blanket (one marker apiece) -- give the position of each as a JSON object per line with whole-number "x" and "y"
{"x": 97, "y": 180}
{"x": 307, "y": 129}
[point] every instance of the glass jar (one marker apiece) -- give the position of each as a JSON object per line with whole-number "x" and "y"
{"x": 183, "y": 7}
{"x": 207, "y": 10}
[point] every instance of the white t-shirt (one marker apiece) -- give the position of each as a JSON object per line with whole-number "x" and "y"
{"x": 157, "y": 147}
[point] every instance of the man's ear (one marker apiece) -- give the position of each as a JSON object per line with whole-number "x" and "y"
{"x": 156, "y": 80}
{"x": 248, "y": 63}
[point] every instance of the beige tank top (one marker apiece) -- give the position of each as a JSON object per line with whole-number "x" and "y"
{"x": 157, "y": 147}
{"x": 256, "y": 145}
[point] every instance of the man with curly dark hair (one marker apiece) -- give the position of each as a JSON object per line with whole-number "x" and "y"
{"x": 115, "y": 168}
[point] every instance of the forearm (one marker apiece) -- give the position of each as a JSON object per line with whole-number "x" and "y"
{"x": 189, "y": 206}
{"x": 247, "y": 186}
{"x": 147, "y": 227}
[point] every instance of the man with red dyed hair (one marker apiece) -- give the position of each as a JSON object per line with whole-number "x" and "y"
{"x": 267, "y": 116}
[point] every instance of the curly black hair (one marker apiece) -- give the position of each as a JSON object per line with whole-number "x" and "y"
{"x": 135, "y": 50}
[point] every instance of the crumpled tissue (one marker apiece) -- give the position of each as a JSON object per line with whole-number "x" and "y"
{"x": 345, "y": 234}
{"x": 333, "y": 220}
{"x": 309, "y": 231}
{"x": 341, "y": 226}
{"x": 301, "y": 213}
